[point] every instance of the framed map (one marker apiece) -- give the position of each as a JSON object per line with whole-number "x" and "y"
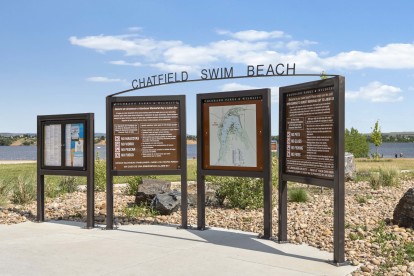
{"x": 232, "y": 130}
{"x": 233, "y": 140}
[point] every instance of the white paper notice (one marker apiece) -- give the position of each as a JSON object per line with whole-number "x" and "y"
{"x": 52, "y": 150}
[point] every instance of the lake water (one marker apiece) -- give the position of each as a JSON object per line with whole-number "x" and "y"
{"x": 30, "y": 152}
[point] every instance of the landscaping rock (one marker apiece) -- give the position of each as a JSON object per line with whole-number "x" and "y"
{"x": 149, "y": 188}
{"x": 350, "y": 168}
{"x": 167, "y": 203}
{"x": 404, "y": 211}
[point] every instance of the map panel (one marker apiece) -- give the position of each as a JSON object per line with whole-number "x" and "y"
{"x": 233, "y": 138}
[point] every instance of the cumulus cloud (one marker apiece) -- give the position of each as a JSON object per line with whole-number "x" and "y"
{"x": 246, "y": 47}
{"x": 103, "y": 79}
{"x": 134, "y": 29}
{"x": 233, "y": 86}
{"x": 125, "y": 63}
{"x": 253, "y": 35}
{"x": 376, "y": 92}
{"x": 131, "y": 45}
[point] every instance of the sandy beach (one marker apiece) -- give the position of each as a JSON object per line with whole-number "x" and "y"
{"x": 3, "y": 162}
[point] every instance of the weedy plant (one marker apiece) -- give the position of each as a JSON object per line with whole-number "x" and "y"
{"x": 297, "y": 195}
{"x": 100, "y": 174}
{"x": 24, "y": 189}
{"x": 239, "y": 192}
{"x": 384, "y": 178}
{"x": 4, "y": 192}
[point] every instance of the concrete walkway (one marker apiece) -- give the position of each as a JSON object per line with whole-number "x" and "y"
{"x": 65, "y": 248}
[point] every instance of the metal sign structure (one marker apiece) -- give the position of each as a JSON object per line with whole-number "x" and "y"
{"x": 234, "y": 140}
{"x": 145, "y": 136}
{"x": 311, "y": 147}
{"x": 65, "y": 147}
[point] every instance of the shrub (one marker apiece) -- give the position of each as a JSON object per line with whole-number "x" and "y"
{"x": 137, "y": 211}
{"x": 68, "y": 184}
{"x": 384, "y": 178}
{"x": 297, "y": 195}
{"x": 389, "y": 177}
{"x": 24, "y": 189}
{"x": 133, "y": 183}
{"x": 4, "y": 192}
{"x": 239, "y": 192}
{"x": 100, "y": 174}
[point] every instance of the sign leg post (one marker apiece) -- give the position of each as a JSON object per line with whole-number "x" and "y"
{"x": 339, "y": 226}
{"x": 184, "y": 202}
{"x": 267, "y": 212}
{"x": 201, "y": 203}
{"x": 90, "y": 204}
{"x": 40, "y": 198}
{"x": 282, "y": 234}
{"x": 109, "y": 202}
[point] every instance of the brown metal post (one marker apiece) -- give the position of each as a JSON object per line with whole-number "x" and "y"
{"x": 109, "y": 162}
{"x": 90, "y": 184}
{"x": 339, "y": 186}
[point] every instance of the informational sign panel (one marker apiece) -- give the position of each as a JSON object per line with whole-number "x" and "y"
{"x": 74, "y": 145}
{"x": 52, "y": 145}
{"x": 146, "y": 135}
{"x": 66, "y": 147}
{"x": 63, "y": 144}
{"x": 309, "y": 127}
{"x": 311, "y": 143}
{"x": 233, "y": 139}
{"x": 232, "y": 132}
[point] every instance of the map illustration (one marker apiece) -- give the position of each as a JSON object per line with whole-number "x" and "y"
{"x": 233, "y": 135}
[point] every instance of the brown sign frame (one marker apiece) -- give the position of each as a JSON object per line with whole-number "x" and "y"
{"x": 263, "y": 169}
{"x": 337, "y": 181}
{"x": 110, "y": 169}
{"x": 208, "y": 103}
{"x": 87, "y": 169}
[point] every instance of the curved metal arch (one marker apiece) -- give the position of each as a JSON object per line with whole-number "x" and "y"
{"x": 237, "y": 77}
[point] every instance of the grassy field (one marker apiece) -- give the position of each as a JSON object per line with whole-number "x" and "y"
{"x": 363, "y": 164}
{"x": 10, "y": 171}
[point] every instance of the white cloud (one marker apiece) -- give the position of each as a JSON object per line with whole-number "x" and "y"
{"x": 123, "y": 62}
{"x": 253, "y": 35}
{"x": 247, "y": 47}
{"x": 391, "y": 56}
{"x": 134, "y": 29}
{"x": 233, "y": 86}
{"x": 130, "y": 44}
{"x": 376, "y": 92}
{"x": 104, "y": 79}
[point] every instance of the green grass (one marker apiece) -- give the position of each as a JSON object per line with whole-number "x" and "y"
{"x": 364, "y": 164}
{"x": 297, "y": 194}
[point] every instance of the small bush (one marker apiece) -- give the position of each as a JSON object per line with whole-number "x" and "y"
{"x": 389, "y": 177}
{"x": 68, "y": 184}
{"x": 51, "y": 189}
{"x": 24, "y": 189}
{"x": 375, "y": 180}
{"x": 239, "y": 192}
{"x": 133, "y": 183}
{"x": 4, "y": 192}
{"x": 137, "y": 211}
{"x": 297, "y": 195}
{"x": 100, "y": 175}
{"x": 384, "y": 178}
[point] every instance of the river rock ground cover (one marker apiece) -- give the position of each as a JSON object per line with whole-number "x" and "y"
{"x": 372, "y": 241}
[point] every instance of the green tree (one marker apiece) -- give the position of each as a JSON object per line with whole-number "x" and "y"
{"x": 376, "y": 138}
{"x": 356, "y": 143}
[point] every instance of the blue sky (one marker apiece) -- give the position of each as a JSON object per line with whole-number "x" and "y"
{"x": 65, "y": 57}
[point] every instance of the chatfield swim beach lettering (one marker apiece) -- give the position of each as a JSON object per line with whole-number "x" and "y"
{"x": 216, "y": 73}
